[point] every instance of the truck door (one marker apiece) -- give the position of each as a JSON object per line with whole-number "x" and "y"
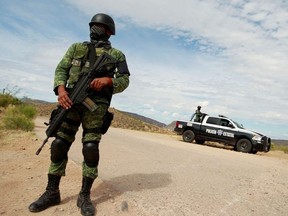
{"x": 226, "y": 131}
{"x": 218, "y": 129}
{"x": 209, "y": 128}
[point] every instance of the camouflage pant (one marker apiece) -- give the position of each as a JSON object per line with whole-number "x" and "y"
{"x": 91, "y": 124}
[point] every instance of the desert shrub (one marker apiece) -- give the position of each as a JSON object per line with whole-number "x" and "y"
{"x": 8, "y": 99}
{"x": 19, "y": 117}
{"x": 279, "y": 148}
{"x": 29, "y": 111}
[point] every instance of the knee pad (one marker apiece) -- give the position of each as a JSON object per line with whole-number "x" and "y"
{"x": 91, "y": 153}
{"x": 59, "y": 150}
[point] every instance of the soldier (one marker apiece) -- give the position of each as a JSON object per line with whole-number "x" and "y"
{"x": 198, "y": 114}
{"x": 77, "y": 60}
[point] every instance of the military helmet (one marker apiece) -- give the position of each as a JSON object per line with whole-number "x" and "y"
{"x": 105, "y": 20}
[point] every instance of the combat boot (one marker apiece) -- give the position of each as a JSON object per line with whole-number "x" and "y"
{"x": 50, "y": 197}
{"x": 84, "y": 201}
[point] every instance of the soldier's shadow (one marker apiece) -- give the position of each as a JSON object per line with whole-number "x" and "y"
{"x": 109, "y": 189}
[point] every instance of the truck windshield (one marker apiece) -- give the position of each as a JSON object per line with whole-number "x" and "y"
{"x": 238, "y": 125}
{"x": 193, "y": 115}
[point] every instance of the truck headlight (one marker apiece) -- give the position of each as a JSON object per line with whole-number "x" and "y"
{"x": 257, "y": 139}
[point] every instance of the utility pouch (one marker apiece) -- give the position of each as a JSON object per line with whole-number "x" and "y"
{"x": 53, "y": 114}
{"x": 107, "y": 120}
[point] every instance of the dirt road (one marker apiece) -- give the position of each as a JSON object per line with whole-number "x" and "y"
{"x": 154, "y": 175}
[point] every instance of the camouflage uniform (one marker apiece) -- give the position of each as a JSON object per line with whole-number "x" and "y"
{"x": 77, "y": 60}
{"x": 67, "y": 73}
{"x": 198, "y": 115}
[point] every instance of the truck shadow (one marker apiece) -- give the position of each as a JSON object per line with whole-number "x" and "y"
{"x": 212, "y": 144}
{"x": 218, "y": 145}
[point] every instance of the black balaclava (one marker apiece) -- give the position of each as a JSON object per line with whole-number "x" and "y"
{"x": 98, "y": 33}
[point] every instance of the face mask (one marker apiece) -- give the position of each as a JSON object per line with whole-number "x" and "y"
{"x": 98, "y": 33}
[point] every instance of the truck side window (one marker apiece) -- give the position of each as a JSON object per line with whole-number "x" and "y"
{"x": 230, "y": 125}
{"x": 213, "y": 120}
{"x": 224, "y": 122}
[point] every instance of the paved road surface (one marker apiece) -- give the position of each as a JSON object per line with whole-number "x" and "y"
{"x": 161, "y": 175}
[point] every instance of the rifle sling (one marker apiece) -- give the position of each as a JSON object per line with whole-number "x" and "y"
{"x": 91, "y": 54}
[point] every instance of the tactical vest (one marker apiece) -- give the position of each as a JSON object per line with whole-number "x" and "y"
{"x": 80, "y": 62}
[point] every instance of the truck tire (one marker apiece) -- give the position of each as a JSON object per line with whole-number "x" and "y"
{"x": 199, "y": 141}
{"x": 243, "y": 145}
{"x": 188, "y": 136}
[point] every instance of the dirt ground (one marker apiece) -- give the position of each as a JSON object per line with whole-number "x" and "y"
{"x": 24, "y": 178}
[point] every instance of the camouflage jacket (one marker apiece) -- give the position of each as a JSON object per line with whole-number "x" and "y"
{"x": 75, "y": 62}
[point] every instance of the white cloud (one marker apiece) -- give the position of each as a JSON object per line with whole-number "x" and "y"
{"x": 230, "y": 57}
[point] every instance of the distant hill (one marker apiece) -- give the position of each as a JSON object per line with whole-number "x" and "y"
{"x": 136, "y": 122}
{"x": 169, "y": 127}
{"x": 145, "y": 119}
{"x": 125, "y": 120}
{"x": 34, "y": 101}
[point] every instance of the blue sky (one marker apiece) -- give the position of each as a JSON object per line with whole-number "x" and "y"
{"x": 230, "y": 57}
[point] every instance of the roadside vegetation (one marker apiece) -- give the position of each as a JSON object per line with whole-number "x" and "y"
{"x": 14, "y": 114}
{"x": 279, "y": 148}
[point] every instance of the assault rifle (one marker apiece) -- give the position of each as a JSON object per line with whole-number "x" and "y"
{"x": 79, "y": 94}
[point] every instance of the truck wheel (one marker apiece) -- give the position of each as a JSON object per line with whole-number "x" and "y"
{"x": 188, "y": 136}
{"x": 244, "y": 145}
{"x": 199, "y": 141}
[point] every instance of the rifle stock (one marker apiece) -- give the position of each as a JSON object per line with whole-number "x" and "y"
{"x": 79, "y": 94}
